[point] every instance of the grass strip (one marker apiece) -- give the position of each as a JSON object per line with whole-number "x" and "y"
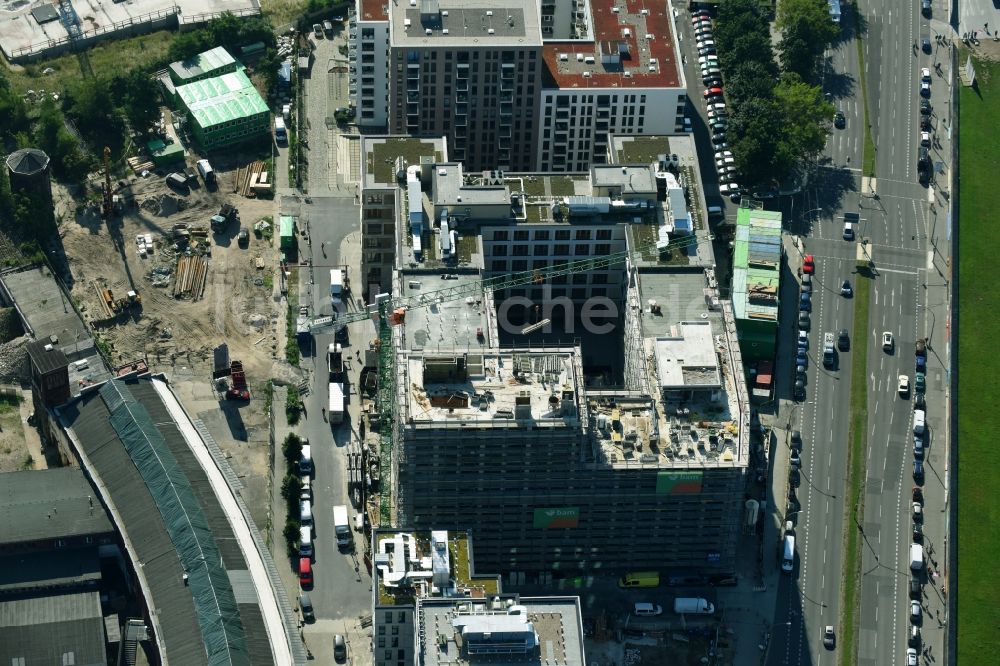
{"x": 857, "y": 438}
{"x": 978, "y": 512}
{"x": 868, "y": 156}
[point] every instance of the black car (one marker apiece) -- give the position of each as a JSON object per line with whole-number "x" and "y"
{"x": 796, "y": 440}
{"x": 925, "y": 124}
{"x": 804, "y": 322}
{"x": 799, "y": 391}
{"x": 794, "y": 478}
{"x": 914, "y": 588}
{"x": 925, "y": 107}
{"x": 923, "y": 159}
{"x": 925, "y": 44}
{"x": 719, "y": 137}
{"x": 843, "y": 340}
{"x": 839, "y": 120}
{"x": 919, "y": 401}
{"x": 918, "y": 471}
{"x": 918, "y": 533}
{"x": 712, "y": 81}
{"x": 243, "y": 238}
{"x": 925, "y": 8}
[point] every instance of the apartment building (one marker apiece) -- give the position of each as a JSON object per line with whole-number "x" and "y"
{"x": 431, "y": 608}
{"x": 623, "y": 76}
{"x": 368, "y": 52}
{"x": 470, "y": 71}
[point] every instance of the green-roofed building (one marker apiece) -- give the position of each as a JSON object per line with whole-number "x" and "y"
{"x": 224, "y": 110}
{"x": 286, "y": 232}
{"x": 205, "y": 65}
{"x": 756, "y": 282}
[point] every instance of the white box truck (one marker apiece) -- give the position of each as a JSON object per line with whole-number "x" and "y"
{"x": 207, "y": 174}
{"x": 788, "y": 556}
{"x": 336, "y": 286}
{"x": 341, "y": 526}
{"x": 280, "y": 133}
{"x": 336, "y": 410}
{"x": 916, "y": 557}
{"x": 693, "y": 606}
{"x": 306, "y": 461}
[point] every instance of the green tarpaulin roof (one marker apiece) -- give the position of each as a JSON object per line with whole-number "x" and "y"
{"x": 222, "y": 99}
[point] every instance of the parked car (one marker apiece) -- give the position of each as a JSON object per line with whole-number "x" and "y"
{"x": 803, "y": 340}
{"x": 799, "y": 391}
{"x": 925, "y": 8}
{"x": 921, "y": 382}
{"x": 243, "y": 237}
{"x": 805, "y": 304}
{"x": 925, "y": 88}
{"x": 913, "y": 640}
{"x": 318, "y": 30}
{"x": 804, "y": 323}
{"x": 915, "y": 612}
{"x": 918, "y": 471}
{"x": 719, "y": 138}
{"x": 808, "y": 264}
{"x": 914, "y": 588}
{"x": 925, "y": 107}
{"x": 802, "y": 358}
{"x": 925, "y": 138}
{"x": 712, "y": 92}
{"x": 925, "y": 43}
{"x": 339, "y": 649}
{"x": 911, "y": 657}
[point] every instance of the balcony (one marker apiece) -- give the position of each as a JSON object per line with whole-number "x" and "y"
{"x": 462, "y": 110}
{"x": 507, "y": 96}
{"x": 506, "y": 110}
{"x": 413, "y": 72}
{"x": 413, "y": 110}
{"x": 461, "y": 121}
{"x": 412, "y": 97}
{"x": 462, "y": 70}
{"x": 462, "y": 98}
{"x": 504, "y": 132}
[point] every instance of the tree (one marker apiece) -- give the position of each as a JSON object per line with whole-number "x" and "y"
{"x": 747, "y": 48}
{"x": 92, "y": 105}
{"x": 806, "y": 31}
{"x": 760, "y": 153}
{"x": 748, "y": 80}
{"x": 140, "y": 95}
{"x": 797, "y": 55}
{"x": 806, "y": 116}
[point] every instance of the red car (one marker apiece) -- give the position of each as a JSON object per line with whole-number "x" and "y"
{"x": 808, "y": 265}
{"x": 237, "y": 394}
{"x": 712, "y": 92}
{"x": 305, "y": 573}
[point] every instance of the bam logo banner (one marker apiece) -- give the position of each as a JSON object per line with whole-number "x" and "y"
{"x": 678, "y": 483}
{"x": 552, "y": 519}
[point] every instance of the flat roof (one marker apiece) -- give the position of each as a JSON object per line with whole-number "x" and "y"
{"x": 450, "y": 188}
{"x": 459, "y": 632}
{"x": 201, "y": 64}
{"x": 373, "y": 10}
{"x": 49, "y": 504}
{"x": 448, "y": 324}
{"x": 380, "y": 154}
{"x": 58, "y": 568}
{"x": 487, "y": 387}
{"x": 44, "y": 306}
{"x": 637, "y": 40}
{"x": 47, "y": 629}
{"x": 469, "y": 23}
{"x": 257, "y": 603}
{"x": 757, "y": 264}
{"x": 630, "y": 178}
{"x": 46, "y": 356}
{"x": 688, "y": 358}
{"x": 222, "y": 99}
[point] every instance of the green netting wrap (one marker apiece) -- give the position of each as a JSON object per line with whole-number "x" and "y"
{"x": 214, "y": 602}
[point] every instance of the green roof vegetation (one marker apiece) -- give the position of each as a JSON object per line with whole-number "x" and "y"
{"x": 645, "y": 237}
{"x": 382, "y": 158}
{"x": 562, "y": 186}
{"x": 643, "y": 149}
{"x": 467, "y": 246}
{"x": 534, "y": 186}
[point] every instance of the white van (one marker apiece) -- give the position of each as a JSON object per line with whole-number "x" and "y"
{"x": 714, "y": 212}
{"x": 305, "y": 541}
{"x": 305, "y": 513}
{"x": 918, "y": 422}
{"x": 306, "y": 461}
{"x": 643, "y": 609}
{"x": 788, "y": 558}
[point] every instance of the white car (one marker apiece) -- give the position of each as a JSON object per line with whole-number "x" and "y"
{"x": 915, "y": 611}
{"x": 724, "y": 161}
{"x": 727, "y": 188}
{"x": 706, "y": 59}
{"x": 925, "y": 138}
{"x": 925, "y": 74}
{"x": 904, "y": 385}
{"x": 887, "y": 342}
{"x": 911, "y": 657}
{"x": 708, "y": 43}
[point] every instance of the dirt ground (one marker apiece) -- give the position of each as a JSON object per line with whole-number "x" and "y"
{"x": 237, "y": 306}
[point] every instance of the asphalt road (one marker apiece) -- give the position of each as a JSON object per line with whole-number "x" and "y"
{"x": 908, "y": 242}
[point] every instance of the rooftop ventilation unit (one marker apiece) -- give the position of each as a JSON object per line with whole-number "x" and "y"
{"x": 644, "y": 12}
{"x": 444, "y": 12}
{"x": 428, "y": 32}
{"x": 491, "y": 31}
{"x": 614, "y": 9}
{"x": 563, "y": 57}
{"x": 586, "y": 75}
{"x": 445, "y": 31}
{"x": 489, "y": 12}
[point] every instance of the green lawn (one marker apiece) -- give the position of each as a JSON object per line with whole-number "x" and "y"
{"x": 978, "y": 372}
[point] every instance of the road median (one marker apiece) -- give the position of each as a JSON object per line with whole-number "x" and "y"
{"x": 857, "y": 445}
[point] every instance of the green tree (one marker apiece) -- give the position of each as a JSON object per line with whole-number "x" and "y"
{"x": 747, "y": 48}
{"x": 292, "y": 449}
{"x": 189, "y": 44}
{"x": 806, "y": 31}
{"x": 93, "y": 107}
{"x": 749, "y": 80}
{"x": 807, "y": 116}
{"x": 762, "y": 156}
{"x": 140, "y": 95}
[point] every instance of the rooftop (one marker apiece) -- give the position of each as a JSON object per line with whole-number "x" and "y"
{"x": 470, "y": 23}
{"x": 626, "y": 180}
{"x": 494, "y": 389}
{"x": 134, "y": 430}
{"x": 542, "y": 191}
{"x": 49, "y": 504}
{"x": 45, "y": 356}
{"x": 449, "y": 323}
{"x": 416, "y": 565}
{"x": 451, "y": 188}
{"x": 689, "y": 365}
{"x": 222, "y": 99}
{"x": 382, "y": 152}
{"x": 632, "y": 47}
{"x": 49, "y": 629}
{"x": 201, "y": 64}
{"x": 27, "y": 161}
{"x": 529, "y": 631}
{"x": 373, "y": 10}
{"x": 757, "y": 264}
{"x": 645, "y": 149}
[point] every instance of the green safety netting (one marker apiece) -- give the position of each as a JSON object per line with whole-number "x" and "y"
{"x": 214, "y": 601}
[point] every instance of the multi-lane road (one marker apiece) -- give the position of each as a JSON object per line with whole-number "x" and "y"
{"x": 906, "y": 229}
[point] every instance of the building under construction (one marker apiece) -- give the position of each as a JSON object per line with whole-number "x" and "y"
{"x": 553, "y": 468}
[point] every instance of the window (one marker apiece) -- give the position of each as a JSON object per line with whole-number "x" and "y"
{"x": 499, "y": 266}
{"x": 599, "y": 278}
{"x": 381, "y": 641}
{"x": 395, "y": 631}
{"x": 604, "y": 234}
{"x": 521, "y": 235}
{"x": 542, "y": 235}
{"x": 541, "y": 250}
{"x": 499, "y": 250}
{"x": 560, "y": 249}
{"x": 518, "y": 265}
{"x": 582, "y": 250}
{"x": 499, "y": 235}
{"x": 562, "y": 234}
{"x": 579, "y": 294}
{"x": 401, "y": 618}
{"x": 579, "y": 278}
{"x": 520, "y": 251}
{"x": 602, "y": 249}
{"x": 583, "y": 234}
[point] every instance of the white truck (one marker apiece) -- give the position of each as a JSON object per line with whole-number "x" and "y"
{"x": 336, "y": 402}
{"x": 280, "y": 133}
{"x": 916, "y": 557}
{"x": 341, "y": 526}
{"x": 207, "y": 174}
{"x": 829, "y": 352}
{"x": 693, "y": 606}
{"x": 336, "y": 286}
